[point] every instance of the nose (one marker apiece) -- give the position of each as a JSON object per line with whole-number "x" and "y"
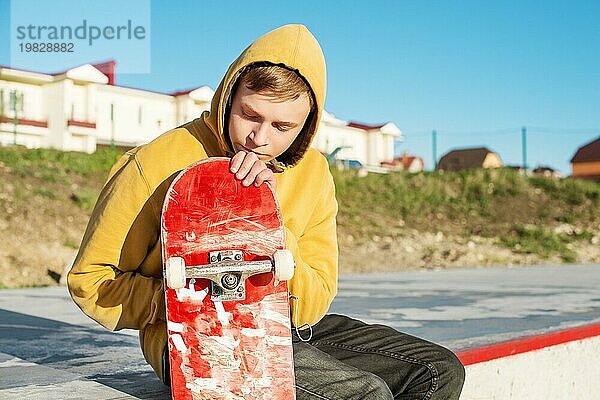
{"x": 260, "y": 135}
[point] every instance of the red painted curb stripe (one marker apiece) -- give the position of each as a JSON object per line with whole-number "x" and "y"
{"x": 505, "y": 349}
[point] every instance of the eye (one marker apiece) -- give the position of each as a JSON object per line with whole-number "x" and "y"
{"x": 281, "y": 128}
{"x": 249, "y": 116}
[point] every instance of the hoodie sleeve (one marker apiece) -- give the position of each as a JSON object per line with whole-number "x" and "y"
{"x": 105, "y": 281}
{"x": 314, "y": 284}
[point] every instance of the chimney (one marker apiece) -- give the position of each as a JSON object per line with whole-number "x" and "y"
{"x": 108, "y": 69}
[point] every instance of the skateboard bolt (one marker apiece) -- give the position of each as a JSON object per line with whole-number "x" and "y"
{"x": 230, "y": 281}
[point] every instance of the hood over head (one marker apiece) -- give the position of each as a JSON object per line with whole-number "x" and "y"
{"x": 294, "y": 47}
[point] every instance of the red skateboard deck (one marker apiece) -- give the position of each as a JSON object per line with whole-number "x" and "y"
{"x": 228, "y": 316}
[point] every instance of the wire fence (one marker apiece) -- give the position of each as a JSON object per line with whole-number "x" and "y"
{"x": 529, "y": 146}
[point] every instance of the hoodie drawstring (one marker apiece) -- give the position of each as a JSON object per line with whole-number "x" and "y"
{"x": 291, "y": 296}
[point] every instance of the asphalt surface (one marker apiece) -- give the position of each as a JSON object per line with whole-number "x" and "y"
{"x": 50, "y": 350}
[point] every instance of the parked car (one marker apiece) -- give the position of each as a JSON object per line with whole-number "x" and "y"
{"x": 350, "y": 164}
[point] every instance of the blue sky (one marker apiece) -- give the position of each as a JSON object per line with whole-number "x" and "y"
{"x": 474, "y": 71}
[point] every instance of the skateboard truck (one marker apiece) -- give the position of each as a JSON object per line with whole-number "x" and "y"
{"x": 227, "y": 272}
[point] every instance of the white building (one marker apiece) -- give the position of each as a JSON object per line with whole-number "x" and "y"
{"x": 83, "y": 107}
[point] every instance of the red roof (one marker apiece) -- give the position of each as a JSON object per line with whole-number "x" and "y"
{"x": 456, "y": 160}
{"x": 21, "y": 69}
{"x": 105, "y": 68}
{"x": 405, "y": 160}
{"x": 366, "y": 127}
{"x": 588, "y": 152}
{"x": 182, "y": 92}
{"x": 108, "y": 69}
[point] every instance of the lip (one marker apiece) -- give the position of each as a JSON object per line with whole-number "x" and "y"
{"x": 252, "y": 151}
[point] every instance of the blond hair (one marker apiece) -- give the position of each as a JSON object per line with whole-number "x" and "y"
{"x": 281, "y": 83}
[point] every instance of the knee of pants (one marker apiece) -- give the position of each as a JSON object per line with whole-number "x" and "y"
{"x": 450, "y": 370}
{"x": 375, "y": 388}
{"x": 363, "y": 386}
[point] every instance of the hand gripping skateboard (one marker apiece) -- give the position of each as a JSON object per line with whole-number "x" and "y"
{"x": 226, "y": 273}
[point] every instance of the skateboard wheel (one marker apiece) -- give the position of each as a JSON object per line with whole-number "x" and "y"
{"x": 175, "y": 272}
{"x": 284, "y": 265}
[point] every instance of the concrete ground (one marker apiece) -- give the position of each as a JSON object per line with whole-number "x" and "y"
{"x": 50, "y": 350}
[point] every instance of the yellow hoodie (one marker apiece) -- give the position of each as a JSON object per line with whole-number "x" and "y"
{"x": 116, "y": 278}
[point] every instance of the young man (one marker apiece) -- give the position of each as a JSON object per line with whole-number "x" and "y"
{"x": 264, "y": 116}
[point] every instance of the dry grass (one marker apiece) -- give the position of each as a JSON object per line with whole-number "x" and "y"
{"x": 429, "y": 220}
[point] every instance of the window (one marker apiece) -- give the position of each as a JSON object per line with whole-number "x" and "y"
{"x": 2, "y": 102}
{"x": 11, "y": 103}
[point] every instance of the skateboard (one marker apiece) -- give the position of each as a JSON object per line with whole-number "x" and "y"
{"x": 225, "y": 272}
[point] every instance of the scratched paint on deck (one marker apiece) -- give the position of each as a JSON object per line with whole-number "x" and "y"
{"x": 232, "y": 350}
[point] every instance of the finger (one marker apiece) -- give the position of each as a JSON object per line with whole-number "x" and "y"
{"x": 256, "y": 169}
{"x": 262, "y": 176}
{"x": 266, "y": 176}
{"x": 236, "y": 161}
{"x": 272, "y": 181}
{"x": 246, "y": 166}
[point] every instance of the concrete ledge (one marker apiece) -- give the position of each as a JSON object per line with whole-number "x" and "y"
{"x": 524, "y": 333}
{"x": 554, "y": 366}
{"x": 21, "y": 380}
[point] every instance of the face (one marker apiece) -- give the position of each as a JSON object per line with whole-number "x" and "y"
{"x": 264, "y": 126}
